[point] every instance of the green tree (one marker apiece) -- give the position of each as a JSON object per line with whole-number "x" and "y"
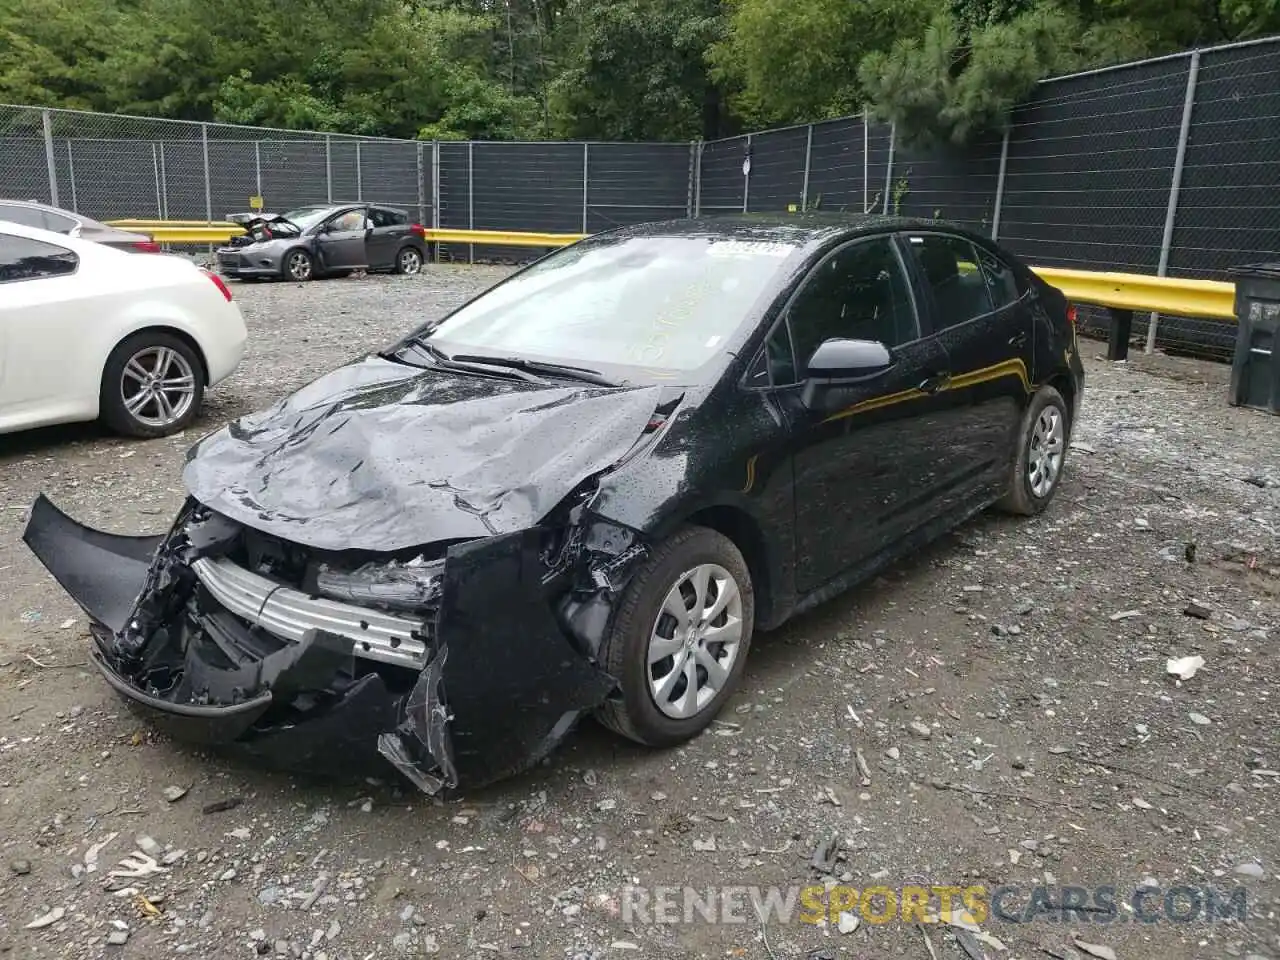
{"x": 789, "y": 61}
{"x": 636, "y": 70}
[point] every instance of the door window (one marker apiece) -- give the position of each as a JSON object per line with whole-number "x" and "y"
{"x": 386, "y": 218}
{"x": 23, "y": 259}
{"x": 950, "y": 267}
{"x": 859, "y": 292}
{"x": 1001, "y": 280}
{"x": 349, "y": 222}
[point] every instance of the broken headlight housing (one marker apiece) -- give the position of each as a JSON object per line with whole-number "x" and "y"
{"x": 413, "y": 585}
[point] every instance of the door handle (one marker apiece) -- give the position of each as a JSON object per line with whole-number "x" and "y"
{"x": 934, "y": 382}
{"x": 1018, "y": 339}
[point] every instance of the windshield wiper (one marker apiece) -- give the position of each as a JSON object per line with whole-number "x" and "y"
{"x": 466, "y": 365}
{"x": 585, "y": 374}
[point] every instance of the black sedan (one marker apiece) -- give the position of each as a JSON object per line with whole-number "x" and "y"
{"x": 582, "y": 492}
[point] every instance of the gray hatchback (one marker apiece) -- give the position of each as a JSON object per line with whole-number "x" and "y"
{"x": 323, "y": 240}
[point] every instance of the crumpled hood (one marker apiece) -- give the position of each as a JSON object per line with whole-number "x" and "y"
{"x": 378, "y": 455}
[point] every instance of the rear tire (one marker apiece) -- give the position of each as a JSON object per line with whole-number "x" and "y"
{"x": 1040, "y": 455}
{"x": 408, "y": 262}
{"x": 152, "y": 385}
{"x": 677, "y": 669}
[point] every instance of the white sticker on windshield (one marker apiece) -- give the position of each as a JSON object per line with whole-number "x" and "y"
{"x": 749, "y": 248}
{"x": 713, "y": 341}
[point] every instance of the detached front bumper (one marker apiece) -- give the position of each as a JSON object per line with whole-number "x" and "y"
{"x": 479, "y": 686}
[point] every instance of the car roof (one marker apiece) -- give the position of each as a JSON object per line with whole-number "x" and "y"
{"x": 41, "y": 205}
{"x": 76, "y": 244}
{"x": 802, "y": 229}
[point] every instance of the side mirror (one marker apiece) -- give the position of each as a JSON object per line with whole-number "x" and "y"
{"x": 839, "y": 363}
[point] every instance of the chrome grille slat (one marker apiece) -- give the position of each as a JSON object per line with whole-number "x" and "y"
{"x": 289, "y": 614}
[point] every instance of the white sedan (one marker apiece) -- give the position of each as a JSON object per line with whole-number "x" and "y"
{"x": 88, "y": 332}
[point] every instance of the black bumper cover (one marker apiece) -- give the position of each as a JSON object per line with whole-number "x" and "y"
{"x": 502, "y": 687}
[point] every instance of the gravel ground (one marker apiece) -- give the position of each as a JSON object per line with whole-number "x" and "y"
{"x": 995, "y": 711}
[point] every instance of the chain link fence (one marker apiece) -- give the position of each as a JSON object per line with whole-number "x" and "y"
{"x": 1166, "y": 166}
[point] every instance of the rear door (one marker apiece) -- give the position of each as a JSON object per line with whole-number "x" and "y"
{"x": 390, "y": 229}
{"x": 979, "y": 318}
{"x": 341, "y": 240}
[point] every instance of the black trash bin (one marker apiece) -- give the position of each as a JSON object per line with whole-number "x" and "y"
{"x": 1255, "y": 371}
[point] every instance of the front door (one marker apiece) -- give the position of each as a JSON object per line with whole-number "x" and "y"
{"x": 864, "y": 465}
{"x": 342, "y": 241}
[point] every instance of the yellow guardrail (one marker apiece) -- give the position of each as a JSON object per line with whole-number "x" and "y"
{"x": 1135, "y": 291}
{"x": 1120, "y": 291}
{"x": 220, "y": 231}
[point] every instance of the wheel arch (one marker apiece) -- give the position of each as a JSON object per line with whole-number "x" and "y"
{"x": 745, "y": 532}
{"x": 1062, "y": 381}
{"x": 172, "y": 331}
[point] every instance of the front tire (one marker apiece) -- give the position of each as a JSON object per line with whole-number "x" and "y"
{"x": 1040, "y": 455}
{"x": 679, "y": 640}
{"x": 152, "y": 385}
{"x": 298, "y": 265}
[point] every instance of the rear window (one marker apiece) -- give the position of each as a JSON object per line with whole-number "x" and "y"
{"x": 26, "y": 216}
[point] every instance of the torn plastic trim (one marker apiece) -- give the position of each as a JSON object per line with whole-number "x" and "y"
{"x": 103, "y": 572}
{"x": 419, "y": 747}
{"x": 608, "y": 556}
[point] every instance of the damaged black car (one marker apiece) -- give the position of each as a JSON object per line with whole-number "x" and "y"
{"x": 581, "y": 493}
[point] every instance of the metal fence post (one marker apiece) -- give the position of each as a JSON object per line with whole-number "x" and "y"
{"x": 164, "y": 186}
{"x": 689, "y": 184}
{"x": 328, "y": 167}
{"x": 866, "y": 161}
{"x": 697, "y": 180}
{"x": 746, "y": 175}
{"x": 47, "y": 122}
{"x": 155, "y": 163}
{"x": 435, "y": 184}
{"x": 257, "y": 170}
{"x": 1004, "y": 163}
{"x": 888, "y": 169}
{"x": 808, "y": 155}
{"x": 422, "y": 206}
{"x": 471, "y": 197}
{"x": 586, "y": 154}
{"x": 71, "y": 177}
{"x": 1166, "y": 239}
{"x": 208, "y": 191}
{"x": 359, "y": 175}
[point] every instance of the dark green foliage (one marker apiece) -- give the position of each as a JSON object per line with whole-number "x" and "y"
{"x": 944, "y": 70}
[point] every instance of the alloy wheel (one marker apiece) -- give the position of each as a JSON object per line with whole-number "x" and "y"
{"x": 1048, "y": 444}
{"x": 695, "y": 641}
{"x": 158, "y": 386}
{"x": 410, "y": 262}
{"x": 299, "y": 266}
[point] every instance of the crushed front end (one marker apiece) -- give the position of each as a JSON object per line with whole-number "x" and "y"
{"x": 459, "y": 664}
